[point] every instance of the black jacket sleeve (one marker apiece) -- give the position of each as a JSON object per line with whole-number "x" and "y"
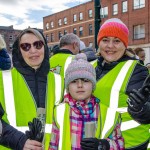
{"x": 11, "y": 137}
{"x": 137, "y": 78}
{"x": 143, "y": 116}
{"x": 136, "y": 81}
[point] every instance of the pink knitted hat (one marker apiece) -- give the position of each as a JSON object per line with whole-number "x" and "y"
{"x": 114, "y": 27}
{"x": 80, "y": 68}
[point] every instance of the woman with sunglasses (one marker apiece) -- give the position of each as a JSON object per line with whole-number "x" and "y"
{"x": 26, "y": 91}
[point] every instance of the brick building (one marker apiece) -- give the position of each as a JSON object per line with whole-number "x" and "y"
{"x": 9, "y": 34}
{"x": 80, "y": 20}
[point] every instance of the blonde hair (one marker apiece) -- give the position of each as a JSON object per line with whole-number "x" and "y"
{"x": 2, "y": 42}
{"x": 33, "y": 31}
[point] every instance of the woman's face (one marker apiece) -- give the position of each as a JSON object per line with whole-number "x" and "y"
{"x": 111, "y": 48}
{"x": 35, "y": 54}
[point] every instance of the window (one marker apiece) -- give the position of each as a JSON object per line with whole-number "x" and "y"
{"x": 139, "y": 4}
{"x": 59, "y": 35}
{"x": 10, "y": 46}
{"x": 115, "y": 9}
{"x": 59, "y": 22}
{"x": 74, "y": 18}
{"x": 47, "y": 37}
{"x": 65, "y": 32}
{"x": 52, "y": 24}
{"x": 75, "y": 30}
{"x": 124, "y": 6}
{"x": 11, "y": 37}
{"x": 52, "y": 37}
{"x": 65, "y": 20}
{"x": 90, "y": 44}
{"x": 47, "y": 26}
{"x": 90, "y": 13}
{"x": 81, "y": 16}
{"x": 139, "y": 31}
{"x": 81, "y": 31}
{"x": 90, "y": 29}
{"x": 104, "y": 12}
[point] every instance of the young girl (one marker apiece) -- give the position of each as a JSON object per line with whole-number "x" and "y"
{"x": 81, "y": 117}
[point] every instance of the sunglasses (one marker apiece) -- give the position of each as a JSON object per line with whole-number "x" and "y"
{"x": 26, "y": 46}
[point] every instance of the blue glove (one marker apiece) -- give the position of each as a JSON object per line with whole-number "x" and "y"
{"x": 5, "y": 61}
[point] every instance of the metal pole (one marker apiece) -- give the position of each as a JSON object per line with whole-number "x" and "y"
{"x": 97, "y": 20}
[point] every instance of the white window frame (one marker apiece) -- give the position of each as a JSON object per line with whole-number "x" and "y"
{"x": 80, "y": 16}
{"x": 74, "y": 17}
{"x": 90, "y": 13}
{"x": 104, "y": 12}
{"x": 124, "y": 6}
{"x": 139, "y": 31}
{"x": 137, "y": 4}
{"x": 115, "y": 9}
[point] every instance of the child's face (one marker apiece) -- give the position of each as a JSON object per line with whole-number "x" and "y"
{"x": 80, "y": 89}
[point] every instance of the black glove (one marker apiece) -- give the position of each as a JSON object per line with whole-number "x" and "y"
{"x": 35, "y": 132}
{"x": 94, "y": 144}
{"x": 137, "y": 98}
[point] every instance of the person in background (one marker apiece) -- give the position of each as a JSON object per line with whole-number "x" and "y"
{"x": 27, "y": 91}
{"x": 5, "y": 61}
{"x": 81, "y": 115}
{"x": 69, "y": 45}
{"x": 139, "y": 103}
{"x": 140, "y": 53}
{"x": 91, "y": 55}
{"x": 82, "y": 45}
{"x": 117, "y": 74}
{"x": 148, "y": 66}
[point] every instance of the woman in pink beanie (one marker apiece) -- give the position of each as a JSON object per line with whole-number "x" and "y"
{"x": 81, "y": 115}
{"x": 117, "y": 74}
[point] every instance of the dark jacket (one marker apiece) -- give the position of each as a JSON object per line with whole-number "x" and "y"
{"x": 5, "y": 61}
{"x": 37, "y": 81}
{"x": 138, "y": 76}
{"x": 91, "y": 55}
{"x": 142, "y": 116}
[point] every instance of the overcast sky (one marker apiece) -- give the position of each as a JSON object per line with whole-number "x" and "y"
{"x": 24, "y": 13}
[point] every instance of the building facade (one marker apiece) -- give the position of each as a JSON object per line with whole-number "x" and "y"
{"x": 80, "y": 20}
{"x": 9, "y": 34}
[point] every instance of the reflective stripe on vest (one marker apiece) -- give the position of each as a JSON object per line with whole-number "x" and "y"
{"x": 118, "y": 83}
{"x": 115, "y": 95}
{"x": 117, "y": 98}
{"x": 60, "y": 118}
{"x": 48, "y": 127}
{"x": 0, "y": 128}
{"x": 58, "y": 87}
{"x": 60, "y": 114}
{"x": 68, "y": 61}
{"x": 109, "y": 121}
{"x": 9, "y": 100}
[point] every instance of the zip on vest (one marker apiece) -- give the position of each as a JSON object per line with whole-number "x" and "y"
{"x": 9, "y": 100}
